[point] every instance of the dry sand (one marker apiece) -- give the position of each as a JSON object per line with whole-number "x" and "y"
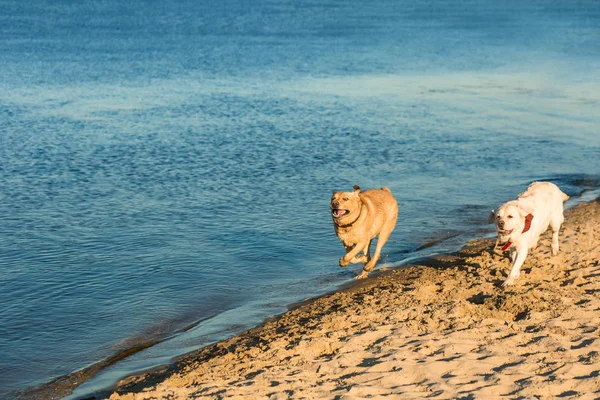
{"x": 445, "y": 329}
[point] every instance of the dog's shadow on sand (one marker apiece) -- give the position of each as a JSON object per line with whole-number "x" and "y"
{"x": 496, "y": 272}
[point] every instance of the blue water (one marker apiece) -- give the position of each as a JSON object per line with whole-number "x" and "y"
{"x": 169, "y": 164}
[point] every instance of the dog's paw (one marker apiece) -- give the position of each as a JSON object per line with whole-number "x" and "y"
{"x": 343, "y": 262}
{"x": 363, "y": 275}
{"x": 510, "y": 281}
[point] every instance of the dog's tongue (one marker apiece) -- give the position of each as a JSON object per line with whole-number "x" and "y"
{"x": 339, "y": 213}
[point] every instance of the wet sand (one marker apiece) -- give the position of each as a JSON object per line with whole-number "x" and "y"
{"x": 443, "y": 328}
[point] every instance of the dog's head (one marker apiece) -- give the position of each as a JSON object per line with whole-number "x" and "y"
{"x": 510, "y": 217}
{"x": 345, "y": 206}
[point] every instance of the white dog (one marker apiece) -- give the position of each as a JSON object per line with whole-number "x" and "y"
{"x": 521, "y": 222}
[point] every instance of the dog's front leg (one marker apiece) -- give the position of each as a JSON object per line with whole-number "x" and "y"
{"x": 515, "y": 272}
{"x": 365, "y": 257}
{"x": 512, "y": 254}
{"x": 555, "y": 246}
{"x": 352, "y": 252}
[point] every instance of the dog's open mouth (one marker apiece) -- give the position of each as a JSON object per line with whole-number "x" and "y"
{"x": 504, "y": 232}
{"x": 338, "y": 212}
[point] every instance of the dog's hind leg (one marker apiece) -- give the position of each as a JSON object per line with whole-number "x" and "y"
{"x": 555, "y": 224}
{"x": 359, "y": 259}
{"x": 351, "y": 254}
{"x": 370, "y": 265}
{"x": 383, "y": 237}
{"x": 364, "y": 258}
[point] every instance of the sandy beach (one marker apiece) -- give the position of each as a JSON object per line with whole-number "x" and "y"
{"x": 442, "y": 328}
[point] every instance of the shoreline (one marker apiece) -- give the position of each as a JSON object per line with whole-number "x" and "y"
{"x": 452, "y": 300}
{"x": 63, "y": 387}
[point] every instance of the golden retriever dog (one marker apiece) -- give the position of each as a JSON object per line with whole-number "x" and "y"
{"x": 520, "y": 222}
{"x": 358, "y": 218}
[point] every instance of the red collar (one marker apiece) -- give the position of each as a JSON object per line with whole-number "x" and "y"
{"x": 527, "y": 226}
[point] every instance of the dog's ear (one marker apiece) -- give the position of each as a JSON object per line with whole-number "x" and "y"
{"x": 524, "y": 209}
{"x": 356, "y": 190}
{"x": 492, "y": 217}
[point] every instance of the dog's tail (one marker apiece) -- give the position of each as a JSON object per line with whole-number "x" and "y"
{"x": 565, "y": 197}
{"x": 387, "y": 189}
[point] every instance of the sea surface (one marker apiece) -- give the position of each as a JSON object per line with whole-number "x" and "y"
{"x": 166, "y": 166}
